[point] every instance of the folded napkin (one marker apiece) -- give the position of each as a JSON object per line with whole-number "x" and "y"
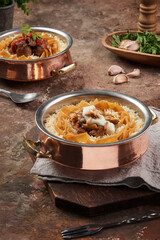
{"x": 145, "y": 171}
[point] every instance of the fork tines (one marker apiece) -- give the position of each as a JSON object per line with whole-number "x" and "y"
{"x": 82, "y": 231}
{"x": 74, "y": 232}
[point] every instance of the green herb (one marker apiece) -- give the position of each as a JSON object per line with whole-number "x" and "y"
{"x": 148, "y": 41}
{"x": 20, "y": 4}
{"x": 27, "y": 30}
{"x": 36, "y": 36}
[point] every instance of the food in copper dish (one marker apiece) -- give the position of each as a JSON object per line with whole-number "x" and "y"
{"x": 94, "y": 122}
{"x": 31, "y": 45}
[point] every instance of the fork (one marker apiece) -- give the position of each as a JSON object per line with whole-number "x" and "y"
{"x": 91, "y": 229}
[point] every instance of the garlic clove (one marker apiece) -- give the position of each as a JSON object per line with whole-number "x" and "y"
{"x": 114, "y": 70}
{"x": 135, "y": 73}
{"x": 134, "y": 46}
{"x": 129, "y": 45}
{"x": 120, "y": 78}
{"x": 124, "y": 44}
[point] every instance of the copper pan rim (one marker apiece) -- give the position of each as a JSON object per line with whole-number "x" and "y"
{"x": 87, "y": 93}
{"x": 67, "y": 37}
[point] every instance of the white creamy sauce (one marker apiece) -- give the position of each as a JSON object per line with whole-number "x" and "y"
{"x": 100, "y": 120}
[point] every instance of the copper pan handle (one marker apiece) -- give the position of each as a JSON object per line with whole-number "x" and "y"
{"x": 64, "y": 69}
{"x": 33, "y": 148}
{"x": 154, "y": 115}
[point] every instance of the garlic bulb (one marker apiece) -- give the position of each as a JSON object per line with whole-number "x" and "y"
{"x": 134, "y": 73}
{"x": 120, "y": 78}
{"x": 114, "y": 70}
{"x": 129, "y": 45}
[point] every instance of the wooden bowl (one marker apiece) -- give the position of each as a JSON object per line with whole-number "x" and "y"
{"x": 143, "y": 58}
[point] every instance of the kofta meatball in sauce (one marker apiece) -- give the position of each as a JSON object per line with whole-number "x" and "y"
{"x": 27, "y": 45}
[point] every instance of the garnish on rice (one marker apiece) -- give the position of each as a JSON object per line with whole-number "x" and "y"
{"x": 31, "y": 44}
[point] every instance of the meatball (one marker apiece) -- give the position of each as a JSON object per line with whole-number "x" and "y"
{"x": 38, "y": 51}
{"x": 23, "y": 49}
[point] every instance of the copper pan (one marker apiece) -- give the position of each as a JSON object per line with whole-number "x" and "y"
{"x": 37, "y": 69}
{"x": 91, "y": 156}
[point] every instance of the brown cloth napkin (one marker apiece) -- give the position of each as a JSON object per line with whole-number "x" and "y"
{"x": 145, "y": 171}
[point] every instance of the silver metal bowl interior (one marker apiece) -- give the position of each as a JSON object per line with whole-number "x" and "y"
{"x": 61, "y": 34}
{"x": 74, "y": 97}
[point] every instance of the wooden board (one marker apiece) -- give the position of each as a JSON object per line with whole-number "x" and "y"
{"x": 92, "y": 200}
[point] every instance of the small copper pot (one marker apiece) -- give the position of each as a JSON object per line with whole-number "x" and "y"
{"x": 37, "y": 69}
{"x": 91, "y": 156}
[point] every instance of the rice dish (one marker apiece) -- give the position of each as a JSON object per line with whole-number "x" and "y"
{"x": 54, "y": 44}
{"x": 94, "y": 122}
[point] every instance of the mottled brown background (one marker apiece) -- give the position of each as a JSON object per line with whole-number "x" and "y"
{"x": 26, "y": 210}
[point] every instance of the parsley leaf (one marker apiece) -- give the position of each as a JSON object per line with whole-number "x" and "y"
{"x": 27, "y": 30}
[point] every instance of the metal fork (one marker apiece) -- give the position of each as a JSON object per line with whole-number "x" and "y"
{"x": 91, "y": 229}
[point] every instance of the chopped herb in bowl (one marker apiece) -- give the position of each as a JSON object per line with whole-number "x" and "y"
{"x": 148, "y": 41}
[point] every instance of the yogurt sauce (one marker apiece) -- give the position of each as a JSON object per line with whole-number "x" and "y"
{"x": 100, "y": 120}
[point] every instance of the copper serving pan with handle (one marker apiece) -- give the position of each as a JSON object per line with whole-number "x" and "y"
{"x": 37, "y": 69}
{"x": 91, "y": 156}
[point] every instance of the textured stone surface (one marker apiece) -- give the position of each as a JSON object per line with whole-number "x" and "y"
{"x": 26, "y": 210}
